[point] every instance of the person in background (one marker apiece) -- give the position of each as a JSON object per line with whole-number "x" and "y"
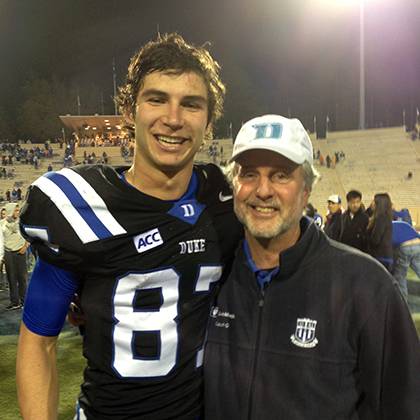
{"x": 304, "y": 327}
{"x": 3, "y": 280}
{"x": 403, "y": 214}
{"x": 1, "y": 260}
{"x": 312, "y": 212}
{"x": 406, "y": 243}
{"x": 333, "y": 221}
{"x": 379, "y": 230}
{"x": 15, "y": 248}
{"x": 354, "y": 222}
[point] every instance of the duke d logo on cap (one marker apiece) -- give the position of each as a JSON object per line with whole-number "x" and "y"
{"x": 279, "y": 134}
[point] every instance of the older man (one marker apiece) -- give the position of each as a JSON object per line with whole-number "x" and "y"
{"x": 15, "y": 248}
{"x": 304, "y": 327}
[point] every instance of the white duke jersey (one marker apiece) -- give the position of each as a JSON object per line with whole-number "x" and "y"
{"x": 148, "y": 270}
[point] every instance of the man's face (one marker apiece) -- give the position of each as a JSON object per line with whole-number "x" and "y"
{"x": 16, "y": 212}
{"x": 354, "y": 205}
{"x": 333, "y": 207}
{"x": 269, "y": 193}
{"x": 3, "y": 213}
{"x": 170, "y": 120}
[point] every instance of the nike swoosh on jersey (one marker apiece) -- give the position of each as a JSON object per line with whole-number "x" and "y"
{"x": 80, "y": 205}
{"x": 224, "y": 198}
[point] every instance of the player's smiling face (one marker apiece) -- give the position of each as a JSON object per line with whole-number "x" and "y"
{"x": 171, "y": 120}
{"x": 269, "y": 193}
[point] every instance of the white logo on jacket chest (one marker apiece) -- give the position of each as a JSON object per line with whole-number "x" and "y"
{"x": 222, "y": 318}
{"x": 304, "y": 335}
{"x": 147, "y": 240}
{"x": 193, "y": 246}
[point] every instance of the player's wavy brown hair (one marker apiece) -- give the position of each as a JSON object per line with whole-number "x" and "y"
{"x": 170, "y": 52}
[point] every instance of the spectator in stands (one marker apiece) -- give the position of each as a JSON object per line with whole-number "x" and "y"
{"x": 333, "y": 222}
{"x": 15, "y": 248}
{"x": 3, "y": 281}
{"x": 354, "y": 221}
{"x": 105, "y": 158}
{"x": 406, "y": 243}
{"x": 379, "y": 231}
{"x": 8, "y": 195}
{"x": 312, "y": 212}
{"x": 402, "y": 215}
{"x": 2, "y": 277}
{"x": 328, "y": 161}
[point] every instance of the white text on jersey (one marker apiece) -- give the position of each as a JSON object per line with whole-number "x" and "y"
{"x": 147, "y": 240}
{"x": 193, "y": 246}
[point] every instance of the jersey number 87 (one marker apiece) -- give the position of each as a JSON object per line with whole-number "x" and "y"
{"x": 128, "y": 321}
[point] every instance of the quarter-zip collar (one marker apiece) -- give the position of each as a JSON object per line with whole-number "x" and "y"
{"x": 290, "y": 259}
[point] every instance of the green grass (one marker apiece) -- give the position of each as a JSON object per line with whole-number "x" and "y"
{"x": 70, "y": 368}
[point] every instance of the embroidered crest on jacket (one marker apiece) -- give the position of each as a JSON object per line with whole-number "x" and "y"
{"x": 304, "y": 335}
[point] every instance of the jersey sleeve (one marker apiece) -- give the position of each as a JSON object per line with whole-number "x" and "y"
{"x": 49, "y": 294}
{"x": 65, "y": 217}
{"x": 50, "y": 235}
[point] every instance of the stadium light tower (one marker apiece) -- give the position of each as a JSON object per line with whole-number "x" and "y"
{"x": 362, "y": 70}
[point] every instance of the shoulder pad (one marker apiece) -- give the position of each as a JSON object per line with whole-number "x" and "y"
{"x": 64, "y": 211}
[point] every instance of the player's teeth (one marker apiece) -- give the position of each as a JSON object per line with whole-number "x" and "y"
{"x": 264, "y": 209}
{"x": 171, "y": 140}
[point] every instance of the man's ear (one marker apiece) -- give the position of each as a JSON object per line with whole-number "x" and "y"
{"x": 306, "y": 195}
{"x": 129, "y": 118}
{"x": 129, "y": 122}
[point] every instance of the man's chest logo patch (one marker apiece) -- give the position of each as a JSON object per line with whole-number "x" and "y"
{"x": 147, "y": 240}
{"x": 304, "y": 335}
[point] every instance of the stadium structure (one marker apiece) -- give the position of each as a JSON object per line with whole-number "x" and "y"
{"x": 376, "y": 160}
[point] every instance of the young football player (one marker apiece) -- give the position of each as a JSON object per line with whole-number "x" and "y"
{"x": 143, "y": 246}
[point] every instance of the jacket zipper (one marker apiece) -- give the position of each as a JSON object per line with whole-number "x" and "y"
{"x": 257, "y": 349}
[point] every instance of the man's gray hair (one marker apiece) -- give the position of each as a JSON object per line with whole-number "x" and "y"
{"x": 310, "y": 174}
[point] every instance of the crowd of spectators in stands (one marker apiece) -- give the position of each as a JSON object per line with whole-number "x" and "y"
{"x": 380, "y": 230}
{"x": 103, "y": 140}
{"x": 14, "y": 153}
{"x": 329, "y": 161}
{"x": 8, "y": 173}
{"x": 127, "y": 150}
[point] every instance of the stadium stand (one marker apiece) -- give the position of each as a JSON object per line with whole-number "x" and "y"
{"x": 376, "y": 160}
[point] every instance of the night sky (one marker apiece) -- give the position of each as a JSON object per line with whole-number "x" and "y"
{"x": 292, "y": 57}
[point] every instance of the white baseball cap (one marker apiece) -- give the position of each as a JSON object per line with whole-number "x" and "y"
{"x": 282, "y": 135}
{"x": 334, "y": 198}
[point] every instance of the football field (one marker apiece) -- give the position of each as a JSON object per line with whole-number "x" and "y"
{"x": 71, "y": 362}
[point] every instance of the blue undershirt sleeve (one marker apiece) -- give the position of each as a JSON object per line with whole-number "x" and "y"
{"x": 48, "y": 297}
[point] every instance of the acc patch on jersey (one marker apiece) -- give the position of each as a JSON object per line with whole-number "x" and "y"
{"x": 148, "y": 240}
{"x": 304, "y": 335}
